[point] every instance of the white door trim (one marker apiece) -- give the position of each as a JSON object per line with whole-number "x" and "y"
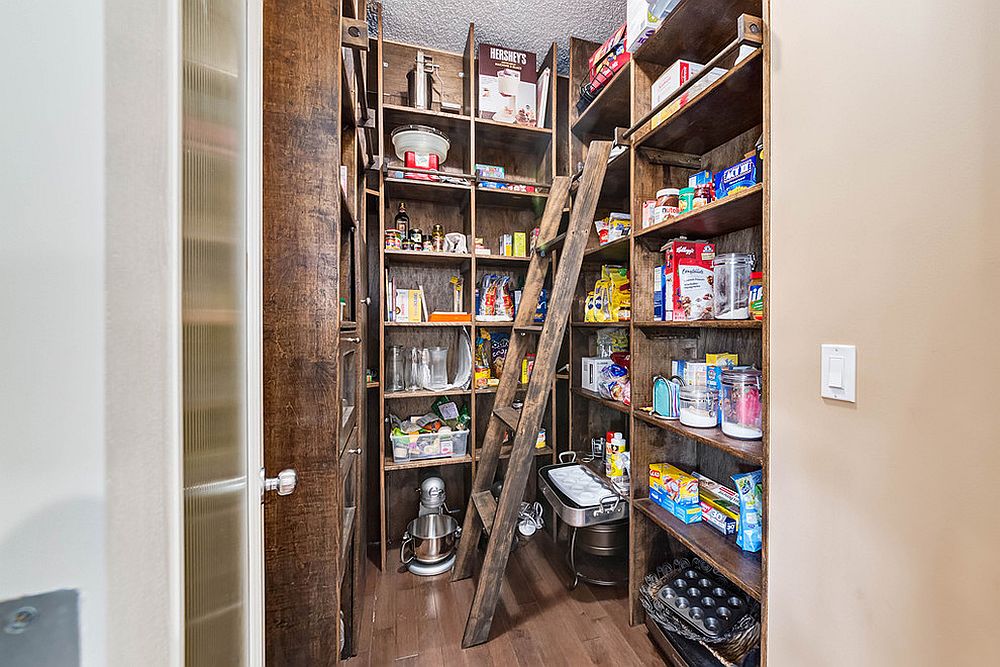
{"x": 254, "y": 331}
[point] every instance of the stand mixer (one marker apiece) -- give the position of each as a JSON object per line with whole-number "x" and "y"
{"x": 430, "y": 538}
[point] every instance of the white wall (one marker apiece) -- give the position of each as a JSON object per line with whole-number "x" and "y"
{"x": 885, "y": 193}
{"x": 52, "y": 526}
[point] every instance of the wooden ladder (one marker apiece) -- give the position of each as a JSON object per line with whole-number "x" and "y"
{"x": 483, "y": 512}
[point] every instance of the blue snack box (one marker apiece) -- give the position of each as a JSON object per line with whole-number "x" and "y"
{"x": 742, "y": 175}
{"x": 701, "y": 178}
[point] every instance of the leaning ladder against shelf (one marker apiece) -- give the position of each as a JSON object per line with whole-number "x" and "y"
{"x": 483, "y": 512}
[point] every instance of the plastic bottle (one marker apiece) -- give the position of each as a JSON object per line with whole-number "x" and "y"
{"x": 616, "y": 445}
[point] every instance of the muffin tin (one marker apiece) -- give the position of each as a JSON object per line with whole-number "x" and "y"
{"x": 705, "y": 601}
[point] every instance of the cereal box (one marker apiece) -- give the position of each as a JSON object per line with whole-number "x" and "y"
{"x": 689, "y": 270}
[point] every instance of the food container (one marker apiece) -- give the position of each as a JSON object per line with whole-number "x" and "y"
{"x": 393, "y": 240}
{"x": 731, "y": 279}
{"x": 420, "y": 147}
{"x": 699, "y": 406}
{"x": 757, "y": 295}
{"x": 667, "y": 203}
{"x": 741, "y": 403}
{"x": 443, "y": 444}
{"x": 703, "y": 194}
{"x": 686, "y": 201}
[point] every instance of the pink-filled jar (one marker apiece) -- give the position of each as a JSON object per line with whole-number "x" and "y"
{"x": 741, "y": 403}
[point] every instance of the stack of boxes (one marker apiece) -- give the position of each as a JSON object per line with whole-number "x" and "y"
{"x": 675, "y": 491}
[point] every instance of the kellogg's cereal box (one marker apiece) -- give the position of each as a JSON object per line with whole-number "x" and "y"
{"x": 689, "y": 270}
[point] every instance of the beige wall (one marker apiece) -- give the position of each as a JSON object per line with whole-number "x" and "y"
{"x": 885, "y": 208}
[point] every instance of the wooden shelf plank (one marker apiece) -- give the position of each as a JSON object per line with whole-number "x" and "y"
{"x": 426, "y": 463}
{"x": 730, "y": 106}
{"x": 511, "y": 198}
{"x": 397, "y": 114}
{"x": 614, "y": 251}
{"x": 496, "y": 128}
{"x": 430, "y": 191}
{"x": 751, "y": 451}
{"x": 741, "y": 567}
{"x": 425, "y": 393}
{"x": 600, "y": 325}
{"x": 741, "y": 210}
{"x": 500, "y": 260}
{"x": 421, "y": 257}
{"x": 700, "y": 324}
{"x": 610, "y": 109}
{"x": 372, "y": 385}
{"x": 505, "y": 452}
{"x": 695, "y": 30}
{"x": 426, "y": 325}
{"x": 487, "y": 324}
{"x": 596, "y": 398}
{"x": 681, "y": 651}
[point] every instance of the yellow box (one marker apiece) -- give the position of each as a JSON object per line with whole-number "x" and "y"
{"x": 722, "y": 359}
{"x": 520, "y": 244}
{"x": 675, "y": 484}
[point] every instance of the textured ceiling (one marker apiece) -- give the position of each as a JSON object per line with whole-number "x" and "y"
{"x": 528, "y": 26}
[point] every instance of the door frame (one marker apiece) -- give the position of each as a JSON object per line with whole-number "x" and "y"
{"x": 254, "y": 330}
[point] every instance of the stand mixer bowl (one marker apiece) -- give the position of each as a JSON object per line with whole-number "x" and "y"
{"x": 430, "y": 539}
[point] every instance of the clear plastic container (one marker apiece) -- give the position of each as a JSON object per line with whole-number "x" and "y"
{"x": 438, "y": 370}
{"x": 731, "y": 277}
{"x": 741, "y": 403}
{"x": 699, "y": 406}
{"x": 443, "y": 444}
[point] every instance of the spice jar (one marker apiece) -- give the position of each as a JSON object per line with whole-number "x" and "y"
{"x": 741, "y": 403}
{"x": 667, "y": 202}
{"x": 703, "y": 194}
{"x": 731, "y": 285}
{"x": 698, "y": 406}
{"x": 686, "y": 202}
{"x": 437, "y": 238}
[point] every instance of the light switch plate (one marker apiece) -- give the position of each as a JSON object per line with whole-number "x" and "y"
{"x": 838, "y": 372}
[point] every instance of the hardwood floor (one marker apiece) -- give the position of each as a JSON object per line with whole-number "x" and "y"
{"x": 420, "y": 620}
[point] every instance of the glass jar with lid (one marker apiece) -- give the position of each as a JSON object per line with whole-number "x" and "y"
{"x": 698, "y": 406}
{"x": 731, "y": 281}
{"x": 741, "y": 403}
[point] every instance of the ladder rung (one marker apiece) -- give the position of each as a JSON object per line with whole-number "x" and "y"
{"x": 544, "y": 248}
{"x": 528, "y": 328}
{"x": 509, "y": 416}
{"x": 486, "y": 506}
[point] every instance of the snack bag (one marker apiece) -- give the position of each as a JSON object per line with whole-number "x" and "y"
{"x": 750, "y": 530}
{"x": 500, "y": 343}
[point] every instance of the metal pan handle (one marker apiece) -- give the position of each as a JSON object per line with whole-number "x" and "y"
{"x": 609, "y": 504}
{"x": 567, "y": 457}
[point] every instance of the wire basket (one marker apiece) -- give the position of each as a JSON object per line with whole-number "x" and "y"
{"x": 732, "y": 646}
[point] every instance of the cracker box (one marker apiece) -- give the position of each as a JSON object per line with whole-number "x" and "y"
{"x": 676, "y": 76}
{"x": 689, "y": 270}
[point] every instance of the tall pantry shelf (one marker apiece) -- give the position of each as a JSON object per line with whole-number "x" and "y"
{"x": 712, "y": 130}
{"x": 460, "y": 200}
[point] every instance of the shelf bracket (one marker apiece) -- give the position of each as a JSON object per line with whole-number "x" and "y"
{"x": 750, "y": 29}
{"x": 354, "y": 33}
{"x": 672, "y": 158}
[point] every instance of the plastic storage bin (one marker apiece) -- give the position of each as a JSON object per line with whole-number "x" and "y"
{"x": 421, "y": 446}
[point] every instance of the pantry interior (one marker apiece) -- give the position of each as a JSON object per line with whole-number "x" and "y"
{"x": 444, "y": 162}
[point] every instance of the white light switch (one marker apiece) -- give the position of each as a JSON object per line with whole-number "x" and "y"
{"x": 838, "y": 372}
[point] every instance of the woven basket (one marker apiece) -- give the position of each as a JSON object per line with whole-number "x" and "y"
{"x": 732, "y": 646}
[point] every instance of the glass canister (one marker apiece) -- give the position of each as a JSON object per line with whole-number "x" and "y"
{"x": 438, "y": 358}
{"x": 731, "y": 280}
{"x": 741, "y": 403}
{"x": 394, "y": 364}
{"x": 699, "y": 406}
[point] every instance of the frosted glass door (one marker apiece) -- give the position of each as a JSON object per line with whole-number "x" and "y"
{"x": 213, "y": 340}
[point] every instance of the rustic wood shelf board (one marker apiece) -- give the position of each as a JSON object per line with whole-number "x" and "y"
{"x": 432, "y": 191}
{"x": 695, "y": 30}
{"x": 420, "y": 257}
{"x": 616, "y": 251}
{"x": 728, "y": 107}
{"x": 426, "y": 463}
{"x": 750, "y": 451}
{"x": 610, "y": 109}
{"x": 741, "y": 210}
{"x": 652, "y": 327}
{"x": 740, "y": 567}
{"x": 596, "y": 398}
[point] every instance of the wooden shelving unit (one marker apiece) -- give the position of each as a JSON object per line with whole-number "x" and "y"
{"x": 529, "y": 157}
{"x": 713, "y": 130}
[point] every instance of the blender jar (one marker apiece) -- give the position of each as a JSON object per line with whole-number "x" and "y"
{"x": 731, "y": 278}
{"x": 698, "y": 406}
{"x": 742, "y": 407}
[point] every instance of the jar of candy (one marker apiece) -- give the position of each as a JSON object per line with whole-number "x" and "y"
{"x": 699, "y": 406}
{"x": 667, "y": 202}
{"x": 741, "y": 403}
{"x": 393, "y": 240}
{"x": 731, "y": 285}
